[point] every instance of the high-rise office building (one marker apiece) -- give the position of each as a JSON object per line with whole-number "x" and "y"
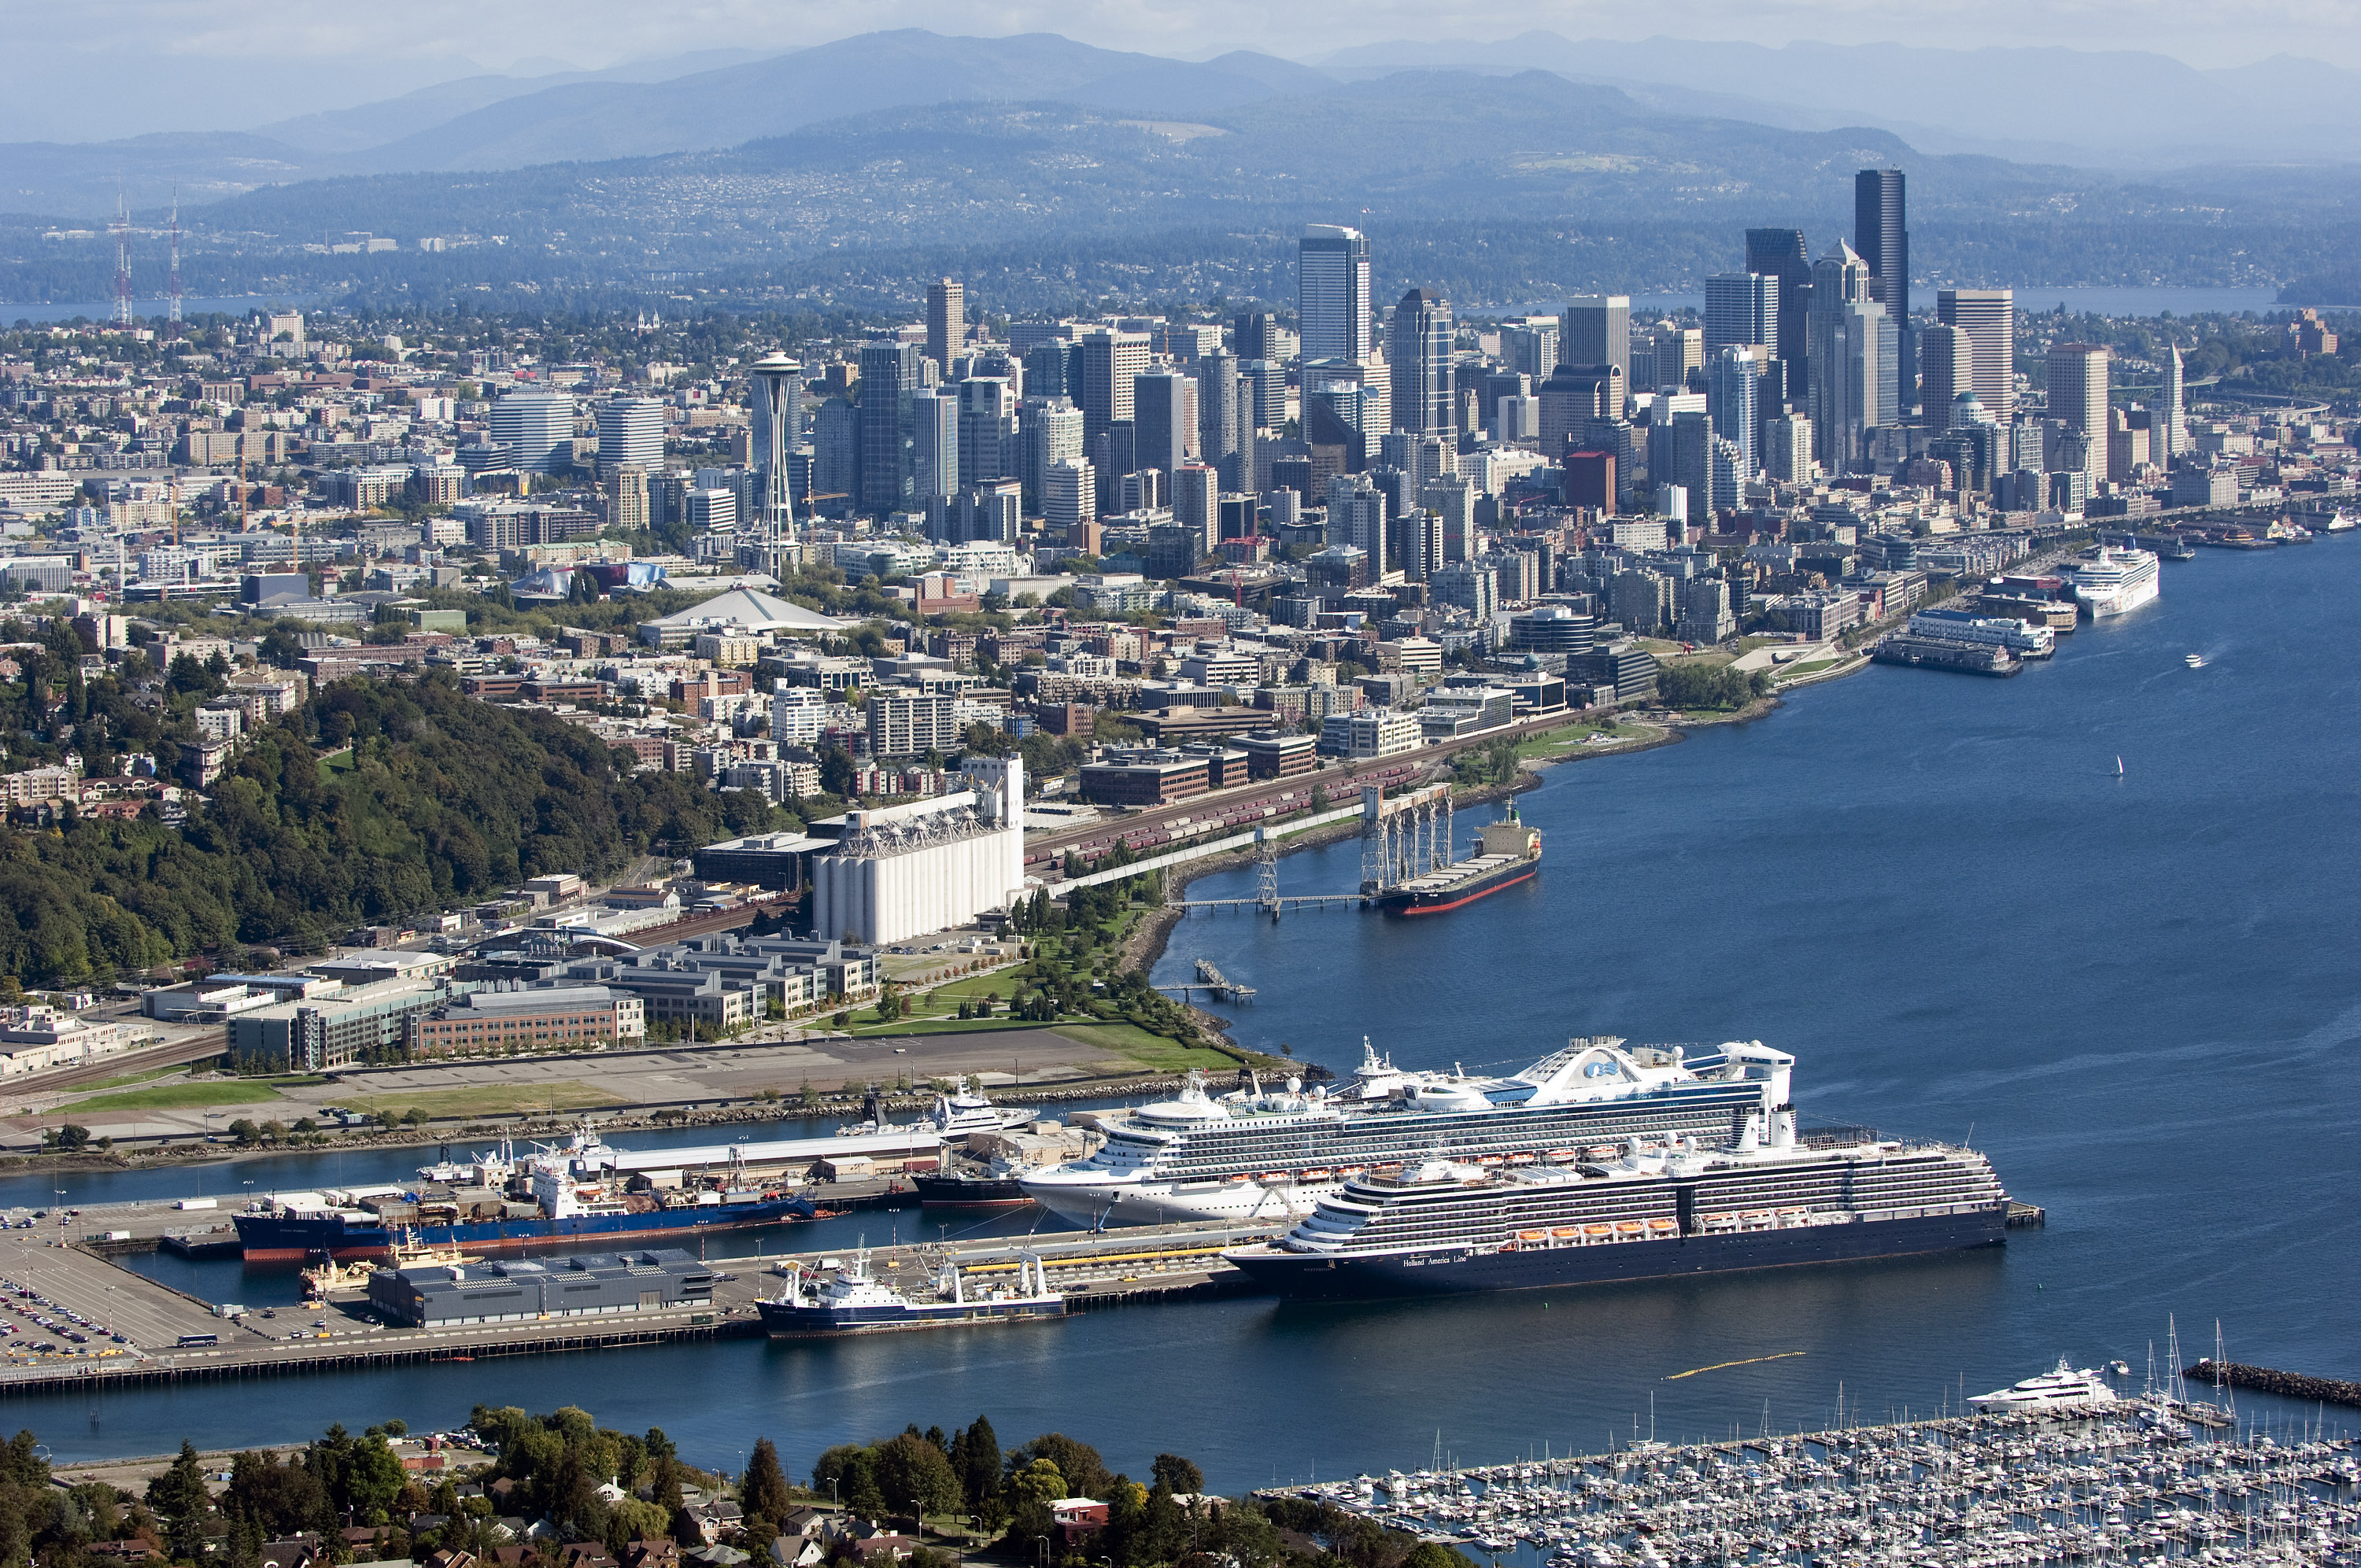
{"x": 1356, "y": 516}
{"x": 1332, "y": 293}
{"x": 836, "y": 453}
{"x": 536, "y": 430}
{"x": 1070, "y": 495}
{"x": 1221, "y": 417}
{"x": 1855, "y": 361}
{"x": 630, "y": 431}
{"x": 2078, "y": 401}
{"x": 1530, "y": 347}
{"x": 889, "y": 379}
{"x": 1051, "y": 429}
{"x": 1112, "y": 361}
{"x": 988, "y": 446}
{"x": 946, "y": 321}
{"x": 1783, "y": 254}
{"x": 1988, "y": 318}
{"x": 1678, "y": 351}
{"x": 1946, "y": 369}
{"x": 1879, "y": 233}
{"x": 1418, "y": 347}
{"x": 777, "y": 426}
{"x": 1733, "y": 393}
{"x": 1164, "y": 420}
{"x": 1050, "y": 369}
{"x": 1597, "y": 330}
{"x": 934, "y": 449}
{"x": 627, "y": 498}
{"x": 1740, "y": 307}
{"x": 2172, "y": 414}
{"x": 1254, "y": 335}
{"x": 1572, "y": 397}
{"x": 1195, "y": 489}
{"x": 1267, "y": 384}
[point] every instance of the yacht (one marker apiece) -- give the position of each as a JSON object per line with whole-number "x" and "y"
{"x": 2051, "y": 1391}
{"x": 1273, "y": 1155}
{"x": 2109, "y": 582}
{"x": 965, "y": 1110}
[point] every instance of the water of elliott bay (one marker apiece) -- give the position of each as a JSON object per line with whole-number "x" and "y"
{"x": 2140, "y": 995}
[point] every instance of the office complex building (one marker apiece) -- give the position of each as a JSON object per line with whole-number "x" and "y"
{"x": 1332, "y": 293}
{"x": 988, "y": 447}
{"x": 630, "y": 433}
{"x": 1221, "y": 414}
{"x": 1597, "y": 330}
{"x": 1164, "y": 420}
{"x": 1419, "y": 348}
{"x": 946, "y": 321}
{"x": 934, "y": 450}
{"x": 1069, "y": 494}
{"x": 2077, "y": 401}
{"x": 1254, "y": 335}
{"x": 536, "y": 430}
{"x": 889, "y": 379}
{"x": 1783, "y": 254}
{"x": 1880, "y": 234}
{"x": 1734, "y": 399}
{"x": 2170, "y": 414}
{"x": 1988, "y": 319}
{"x": 1112, "y": 362}
{"x": 1740, "y": 307}
{"x": 1946, "y": 369}
{"x": 1855, "y": 360}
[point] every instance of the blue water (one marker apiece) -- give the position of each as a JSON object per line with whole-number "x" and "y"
{"x": 2141, "y": 996}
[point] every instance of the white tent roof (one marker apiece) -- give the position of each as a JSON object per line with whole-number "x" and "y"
{"x": 745, "y": 606}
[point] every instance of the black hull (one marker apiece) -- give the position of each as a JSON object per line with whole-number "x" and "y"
{"x": 1313, "y": 1279}
{"x": 938, "y": 1191}
{"x": 1439, "y": 900}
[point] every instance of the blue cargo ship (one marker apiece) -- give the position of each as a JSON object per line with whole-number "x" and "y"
{"x": 563, "y": 1196}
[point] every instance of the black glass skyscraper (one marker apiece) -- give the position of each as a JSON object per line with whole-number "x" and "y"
{"x": 1880, "y": 234}
{"x": 1782, "y": 254}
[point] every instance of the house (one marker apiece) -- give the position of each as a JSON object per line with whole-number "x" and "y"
{"x": 812, "y": 1524}
{"x": 884, "y": 1548}
{"x": 651, "y": 1551}
{"x": 294, "y": 1552}
{"x": 799, "y": 1551}
{"x": 716, "y": 1519}
{"x": 1078, "y": 1518}
{"x": 584, "y": 1554}
{"x": 452, "y": 1559}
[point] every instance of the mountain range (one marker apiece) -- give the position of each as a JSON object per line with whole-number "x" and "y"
{"x": 2125, "y": 112}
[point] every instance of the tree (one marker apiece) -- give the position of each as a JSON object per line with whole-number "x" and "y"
{"x": 916, "y": 1477}
{"x": 1177, "y": 1474}
{"x": 1031, "y": 1488}
{"x": 975, "y": 1454}
{"x": 1079, "y": 1462}
{"x": 181, "y": 1502}
{"x": 762, "y": 1494}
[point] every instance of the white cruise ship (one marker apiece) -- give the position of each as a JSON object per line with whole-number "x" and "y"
{"x": 1258, "y": 1155}
{"x": 2113, "y": 582}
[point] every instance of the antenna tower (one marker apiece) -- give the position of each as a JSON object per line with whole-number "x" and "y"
{"x": 172, "y": 287}
{"x": 122, "y": 259}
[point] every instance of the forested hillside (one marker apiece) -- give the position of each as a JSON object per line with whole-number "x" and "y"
{"x": 449, "y": 799}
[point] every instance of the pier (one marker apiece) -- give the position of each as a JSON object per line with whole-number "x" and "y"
{"x": 1094, "y": 1270}
{"x": 2268, "y": 1380}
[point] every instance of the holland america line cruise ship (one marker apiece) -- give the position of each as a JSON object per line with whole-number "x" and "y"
{"x": 2113, "y": 582}
{"x": 1273, "y": 1156}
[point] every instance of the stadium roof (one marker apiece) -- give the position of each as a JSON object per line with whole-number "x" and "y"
{"x": 746, "y": 607}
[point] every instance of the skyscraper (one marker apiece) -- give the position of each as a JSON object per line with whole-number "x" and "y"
{"x": 1112, "y": 361}
{"x": 1740, "y": 307}
{"x": 1221, "y": 419}
{"x": 1783, "y": 254}
{"x": 946, "y": 321}
{"x": 1052, "y": 434}
{"x": 1855, "y": 361}
{"x": 1679, "y": 350}
{"x": 2171, "y": 410}
{"x": 889, "y": 379}
{"x": 1419, "y": 348}
{"x": 934, "y": 449}
{"x": 1254, "y": 334}
{"x": 630, "y": 431}
{"x": 1332, "y": 293}
{"x": 1597, "y": 330}
{"x": 1946, "y": 369}
{"x": 1734, "y": 397}
{"x": 1164, "y": 419}
{"x": 1879, "y": 234}
{"x": 537, "y": 429}
{"x": 2078, "y": 399}
{"x": 1988, "y": 318}
{"x": 988, "y": 450}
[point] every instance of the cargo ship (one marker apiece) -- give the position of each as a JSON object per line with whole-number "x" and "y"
{"x": 852, "y": 1301}
{"x": 555, "y": 1198}
{"x": 996, "y": 1187}
{"x": 1653, "y": 1211}
{"x": 1506, "y": 853}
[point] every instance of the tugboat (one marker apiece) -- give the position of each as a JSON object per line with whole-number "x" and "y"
{"x": 852, "y": 1301}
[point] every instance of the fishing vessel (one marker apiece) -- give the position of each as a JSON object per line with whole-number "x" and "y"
{"x": 2111, "y": 582}
{"x": 996, "y": 1186}
{"x": 852, "y": 1301}
{"x": 557, "y": 1196}
{"x": 329, "y": 1277}
{"x": 2050, "y": 1391}
{"x": 1265, "y": 1155}
{"x": 1506, "y": 853}
{"x": 1660, "y": 1208}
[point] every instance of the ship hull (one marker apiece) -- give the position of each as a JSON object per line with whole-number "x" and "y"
{"x": 959, "y": 1193}
{"x": 1163, "y": 1203}
{"x": 1437, "y": 901}
{"x": 784, "y": 1321}
{"x": 1316, "y": 1278}
{"x": 275, "y": 1238}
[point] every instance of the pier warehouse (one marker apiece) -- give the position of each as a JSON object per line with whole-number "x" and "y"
{"x": 432, "y": 1295}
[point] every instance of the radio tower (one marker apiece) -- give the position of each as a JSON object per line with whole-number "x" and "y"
{"x": 172, "y": 288}
{"x": 122, "y": 259}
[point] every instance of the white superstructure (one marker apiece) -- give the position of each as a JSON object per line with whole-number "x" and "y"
{"x": 2113, "y": 582}
{"x": 1267, "y": 1154}
{"x": 2064, "y": 1387}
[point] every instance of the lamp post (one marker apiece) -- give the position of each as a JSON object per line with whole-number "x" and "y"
{"x": 1043, "y": 1543}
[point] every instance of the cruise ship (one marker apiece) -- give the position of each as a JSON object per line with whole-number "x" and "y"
{"x": 1671, "y": 1208}
{"x": 1269, "y": 1156}
{"x": 2109, "y": 582}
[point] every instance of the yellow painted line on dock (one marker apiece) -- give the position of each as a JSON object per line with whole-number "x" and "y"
{"x": 1749, "y": 1361}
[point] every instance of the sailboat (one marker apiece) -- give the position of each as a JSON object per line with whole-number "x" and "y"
{"x": 2119, "y": 767}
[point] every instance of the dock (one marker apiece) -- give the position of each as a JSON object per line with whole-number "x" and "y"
{"x": 1094, "y": 1271}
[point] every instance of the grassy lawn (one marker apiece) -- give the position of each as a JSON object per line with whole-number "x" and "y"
{"x": 128, "y": 1078}
{"x": 335, "y": 762}
{"x": 184, "y": 1096}
{"x": 1159, "y": 1053}
{"x": 1789, "y": 671}
{"x": 491, "y": 1100}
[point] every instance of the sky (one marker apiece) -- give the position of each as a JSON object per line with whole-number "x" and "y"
{"x": 100, "y": 70}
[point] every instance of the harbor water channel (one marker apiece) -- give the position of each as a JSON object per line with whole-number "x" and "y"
{"x": 2140, "y": 994}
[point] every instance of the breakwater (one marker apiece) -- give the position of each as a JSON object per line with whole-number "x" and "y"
{"x": 2270, "y": 1380}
